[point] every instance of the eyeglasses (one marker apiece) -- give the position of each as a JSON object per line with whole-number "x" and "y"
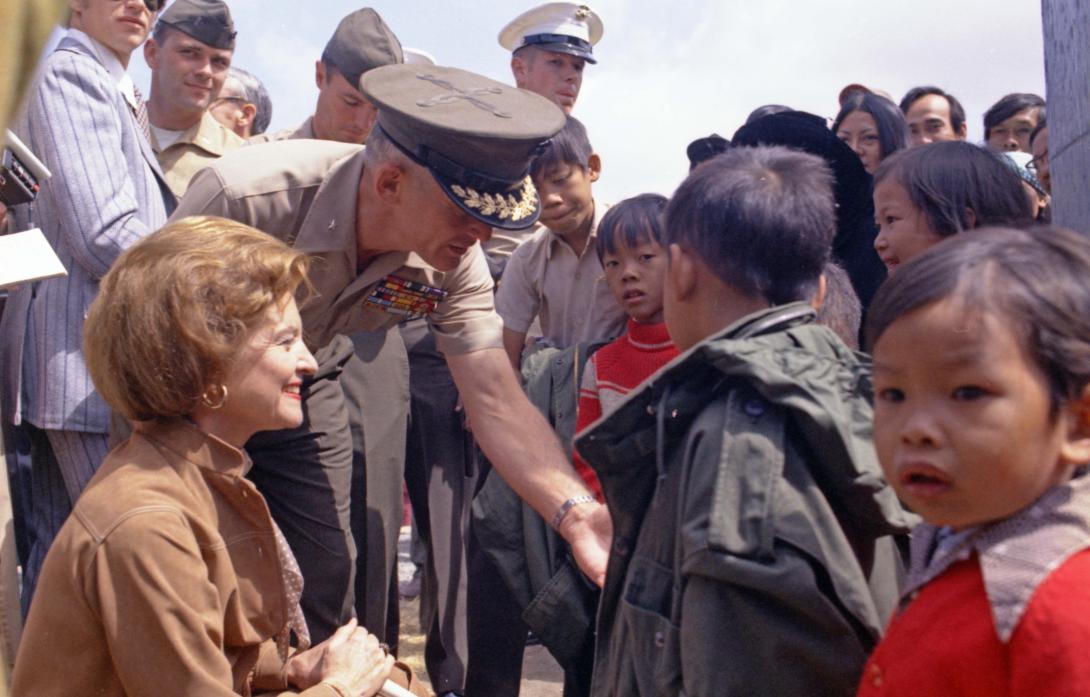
{"x": 240, "y": 100}
{"x": 1036, "y": 162}
{"x": 154, "y": 5}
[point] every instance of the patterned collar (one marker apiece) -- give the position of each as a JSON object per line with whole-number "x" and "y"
{"x": 1016, "y": 554}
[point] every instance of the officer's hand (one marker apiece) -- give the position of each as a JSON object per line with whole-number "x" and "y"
{"x": 589, "y": 531}
{"x": 3, "y": 217}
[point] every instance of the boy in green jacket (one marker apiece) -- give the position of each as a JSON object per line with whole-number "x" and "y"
{"x": 755, "y": 542}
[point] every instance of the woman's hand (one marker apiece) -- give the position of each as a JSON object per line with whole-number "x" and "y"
{"x": 352, "y": 658}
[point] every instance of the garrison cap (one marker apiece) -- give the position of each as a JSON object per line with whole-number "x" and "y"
{"x": 362, "y": 42}
{"x": 207, "y": 21}
{"x": 564, "y": 27}
{"x": 476, "y": 136}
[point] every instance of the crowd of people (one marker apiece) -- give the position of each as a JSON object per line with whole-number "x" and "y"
{"x": 816, "y": 424}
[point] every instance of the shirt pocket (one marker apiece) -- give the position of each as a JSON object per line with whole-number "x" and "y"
{"x": 652, "y": 651}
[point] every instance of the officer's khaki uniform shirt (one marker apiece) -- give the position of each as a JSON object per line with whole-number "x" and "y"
{"x": 546, "y": 279}
{"x": 305, "y": 193}
{"x": 305, "y": 130}
{"x": 203, "y": 143}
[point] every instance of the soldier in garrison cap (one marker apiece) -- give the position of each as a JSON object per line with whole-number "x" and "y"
{"x": 377, "y": 391}
{"x": 550, "y": 45}
{"x": 361, "y": 43}
{"x": 189, "y": 53}
{"x": 394, "y": 231}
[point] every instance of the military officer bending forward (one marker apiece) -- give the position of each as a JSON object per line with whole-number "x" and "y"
{"x": 393, "y": 230}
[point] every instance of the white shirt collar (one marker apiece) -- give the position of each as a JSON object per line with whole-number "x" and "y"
{"x": 110, "y": 62}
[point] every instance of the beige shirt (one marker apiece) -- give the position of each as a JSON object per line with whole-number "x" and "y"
{"x": 305, "y": 192}
{"x": 305, "y": 130}
{"x": 196, "y": 148}
{"x": 546, "y": 279}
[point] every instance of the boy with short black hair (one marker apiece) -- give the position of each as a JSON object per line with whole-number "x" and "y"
{"x": 555, "y": 275}
{"x": 630, "y": 249}
{"x": 755, "y": 546}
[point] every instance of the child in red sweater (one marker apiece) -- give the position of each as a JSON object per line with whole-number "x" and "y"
{"x": 634, "y": 261}
{"x": 982, "y": 423}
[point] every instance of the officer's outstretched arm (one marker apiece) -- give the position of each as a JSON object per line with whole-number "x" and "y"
{"x": 522, "y": 447}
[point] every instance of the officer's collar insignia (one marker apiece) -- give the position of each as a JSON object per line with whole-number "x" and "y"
{"x": 504, "y": 207}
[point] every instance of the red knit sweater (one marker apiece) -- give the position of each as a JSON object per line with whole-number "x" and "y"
{"x": 944, "y": 644}
{"x": 612, "y": 372}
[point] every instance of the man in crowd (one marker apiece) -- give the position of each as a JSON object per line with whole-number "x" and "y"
{"x": 361, "y": 42}
{"x": 189, "y": 53}
{"x": 933, "y": 115}
{"x": 550, "y": 45}
{"x": 243, "y": 105}
{"x": 394, "y": 231}
{"x": 106, "y": 192}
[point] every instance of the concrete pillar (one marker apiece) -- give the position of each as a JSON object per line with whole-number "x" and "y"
{"x": 1067, "y": 75}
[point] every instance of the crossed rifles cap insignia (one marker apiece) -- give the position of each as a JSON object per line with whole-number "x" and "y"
{"x": 472, "y": 96}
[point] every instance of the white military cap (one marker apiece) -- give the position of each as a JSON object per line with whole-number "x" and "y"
{"x": 564, "y": 27}
{"x": 416, "y": 56}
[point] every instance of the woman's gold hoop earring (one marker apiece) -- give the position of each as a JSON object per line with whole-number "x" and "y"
{"x": 222, "y": 389}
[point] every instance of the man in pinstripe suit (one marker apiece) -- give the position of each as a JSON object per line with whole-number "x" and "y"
{"x": 86, "y": 121}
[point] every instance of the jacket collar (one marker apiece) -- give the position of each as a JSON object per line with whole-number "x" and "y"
{"x": 108, "y": 60}
{"x": 1016, "y": 554}
{"x": 186, "y": 441}
{"x": 87, "y": 46}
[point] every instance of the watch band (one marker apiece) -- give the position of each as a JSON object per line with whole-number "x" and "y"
{"x": 567, "y": 506}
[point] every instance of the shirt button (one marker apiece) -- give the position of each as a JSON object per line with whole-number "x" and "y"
{"x": 754, "y": 407}
{"x": 620, "y": 546}
{"x": 876, "y": 675}
{"x": 578, "y": 275}
{"x": 660, "y": 639}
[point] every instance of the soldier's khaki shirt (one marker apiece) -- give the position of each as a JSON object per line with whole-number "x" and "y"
{"x": 305, "y": 192}
{"x": 203, "y": 143}
{"x": 305, "y": 130}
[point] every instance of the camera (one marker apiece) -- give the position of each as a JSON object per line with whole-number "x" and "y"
{"x": 21, "y": 173}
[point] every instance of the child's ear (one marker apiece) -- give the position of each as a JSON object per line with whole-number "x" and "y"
{"x": 681, "y": 272}
{"x": 594, "y": 166}
{"x": 1076, "y": 447}
{"x": 970, "y": 218}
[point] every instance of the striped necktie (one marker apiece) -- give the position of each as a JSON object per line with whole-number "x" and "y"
{"x": 140, "y": 111}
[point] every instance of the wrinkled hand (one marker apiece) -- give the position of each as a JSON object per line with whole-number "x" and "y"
{"x": 352, "y": 657}
{"x": 589, "y": 531}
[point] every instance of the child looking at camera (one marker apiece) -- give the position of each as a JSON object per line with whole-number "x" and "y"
{"x": 629, "y": 247}
{"x": 982, "y": 424}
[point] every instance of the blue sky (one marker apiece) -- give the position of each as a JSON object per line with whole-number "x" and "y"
{"x": 669, "y": 72}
